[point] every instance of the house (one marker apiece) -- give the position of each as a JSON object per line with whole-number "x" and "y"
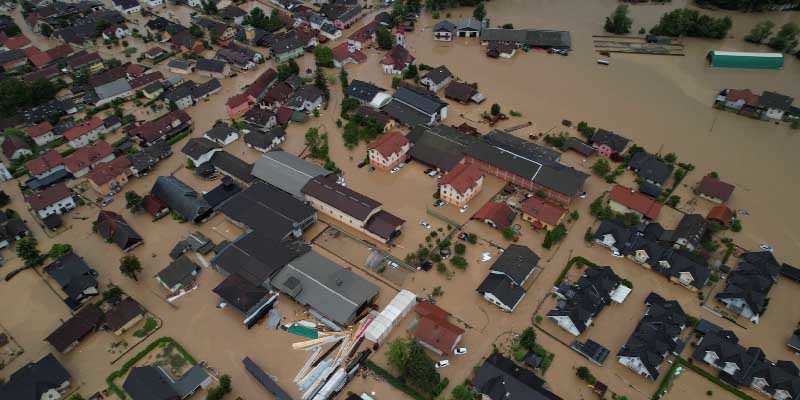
{"x": 179, "y": 274}
{"x": 413, "y": 107}
{"x": 437, "y": 78}
{"x": 525, "y": 164}
{"x": 222, "y": 134}
{"x": 444, "y": 31}
{"x": 204, "y": 90}
{"x": 256, "y": 258}
{"x": 714, "y": 190}
{"x": 181, "y": 67}
{"x": 495, "y": 214}
{"x": 41, "y": 133}
{"x": 542, "y": 214}
{"x": 243, "y": 60}
{"x": 501, "y": 378}
{"x": 231, "y": 166}
{"x": 581, "y": 302}
{"x": 352, "y": 208}
{"x": 84, "y": 133}
{"x": 127, "y": 7}
{"x": 239, "y": 104}
{"x": 335, "y": 292}
{"x": 690, "y": 231}
{"x": 11, "y": 230}
{"x": 287, "y": 172}
{"x": 218, "y": 31}
{"x": 500, "y": 49}
{"x": 213, "y": 68}
{"x": 434, "y": 331}
{"x": 252, "y": 301}
{"x": 365, "y": 92}
{"x": 469, "y": 27}
{"x": 747, "y": 287}
{"x": 181, "y": 199}
{"x": 260, "y": 119}
{"x": 265, "y": 140}
{"x": 119, "y": 31}
{"x": 608, "y": 144}
{"x": 150, "y": 382}
{"x": 154, "y": 3}
{"x": 233, "y": 13}
{"x": 721, "y": 215}
{"x": 459, "y": 185}
{"x": 363, "y": 37}
{"x": 654, "y": 338}
{"x": 503, "y": 286}
{"x": 75, "y": 329}
{"x": 56, "y": 199}
{"x": 13, "y": 59}
{"x": 82, "y": 59}
{"x": 306, "y": 98}
{"x": 143, "y": 161}
{"x": 460, "y": 92}
{"x": 379, "y": 118}
{"x": 199, "y": 150}
{"x": 287, "y": 49}
{"x": 650, "y": 168}
{"x": 162, "y": 128}
{"x": 15, "y": 148}
{"x": 181, "y": 96}
{"x": 623, "y": 200}
{"x": 774, "y": 105}
{"x": 258, "y": 89}
{"x": 389, "y": 150}
{"x": 155, "y": 207}
{"x": 396, "y": 60}
{"x": 342, "y": 15}
{"x": 614, "y": 236}
{"x": 113, "y": 228}
{"x": 15, "y": 42}
{"x": 86, "y": 158}
{"x": 43, "y": 379}
{"x": 108, "y": 178}
{"x": 277, "y": 95}
{"x": 742, "y": 101}
{"x": 77, "y": 280}
{"x": 344, "y": 54}
{"x": 123, "y": 316}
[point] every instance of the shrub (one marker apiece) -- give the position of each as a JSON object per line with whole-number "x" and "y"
{"x": 460, "y": 248}
{"x": 459, "y": 262}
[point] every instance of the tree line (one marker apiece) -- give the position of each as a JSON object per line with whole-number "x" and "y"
{"x": 17, "y": 95}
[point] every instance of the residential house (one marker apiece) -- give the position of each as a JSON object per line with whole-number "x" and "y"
{"x": 217, "y": 31}
{"x": 162, "y": 128}
{"x": 14, "y": 42}
{"x": 495, "y": 214}
{"x": 287, "y": 49}
{"x": 344, "y": 54}
{"x": 252, "y": 301}
{"x": 437, "y": 78}
{"x": 714, "y": 190}
{"x": 86, "y": 158}
{"x": 774, "y": 105}
{"x": 181, "y": 199}
{"x": 469, "y": 27}
{"x": 741, "y": 101}
{"x": 397, "y": 60}
{"x": 581, "y": 302}
{"x": 335, "y": 292}
{"x": 265, "y": 140}
{"x": 111, "y": 91}
{"x": 67, "y": 336}
{"x": 119, "y": 31}
{"x": 434, "y": 331}
{"x": 155, "y": 207}
{"x": 41, "y": 133}
{"x": 151, "y": 382}
{"x": 388, "y": 151}
{"x": 444, "y": 31}
{"x": 690, "y": 231}
{"x": 258, "y": 89}
{"x": 11, "y": 230}
{"x": 614, "y": 236}
{"x": 13, "y": 59}
{"x": 499, "y": 377}
{"x": 238, "y": 104}
{"x": 84, "y": 133}
{"x": 77, "y": 280}
{"x": 379, "y": 118}
{"x": 231, "y": 166}
{"x": 287, "y": 172}
{"x": 179, "y": 274}
{"x": 200, "y": 150}
{"x": 113, "y": 228}
{"x": 650, "y": 168}
{"x": 623, "y": 200}
{"x": 181, "y": 96}
{"x": 239, "y": 57}
{"x": 721, "y": 215}
{"x": 413, "y": 107}
{"x": 155, "y": 53}
{"x": 609, "y": 144}
{"x": 365, "y": 92}
{"x": 222, "y": 134}
{"x": 747, "y": 287}
{"x": 342, "y": 15}
{"x": 460, "y": 92}
{"x": 123, "y": 316}
{"x": 363, "y": 37}
{"x": 204, "y": 90}
{"x": 15, "y": 148}
{"x": 654, "y": 338}
{"x": 260, "y": 119}
{"x": 459, "y": 185}
{"x": 181, "y": 67}
{"x": 213, "y": 68}
{"x": 56, "y": 199}
{"x": 305, "y": 98}
{"x": 504, "y": 286}
{"x": 542, "y": 214}
{"x": 80, "y": 60}
{"x": 108, "y": 178}
{"x": 43, "y": 379}
{"x": 127, "y": 7}
{"x": 499, "y": 49}
{"x": 233, "y": 13}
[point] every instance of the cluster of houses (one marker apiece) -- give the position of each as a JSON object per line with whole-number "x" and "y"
{"x": 770, "y": 106}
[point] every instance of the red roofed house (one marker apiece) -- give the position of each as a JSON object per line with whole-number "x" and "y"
{"x": 495, "y": 214}
{"x": 396, "y": 60}
{"x": 38, "y": 58}
{"x": 56, "y": 199}
{"x": 364, "y": 36}
{"x": 714, "y": 190}
{"x": 283, "y": 115}
{"x": 434, "y": 331}
{"x": 389, "y": 150}
{"x": 45, "y": 165}
{"x": 154, "y": 206}
{"x": 163, "y": 128}
{"x": 84, "y": 133}
{"x": 721, "y": 215}
{"x": 16, "y": 42}
{"x": 86, "y": 158}
{"x": 109, "y": 177}
{"x": 42, "y": 133}
{"x": 624, "y": 200}
{"x": 345, "y": 53}
{"x": 239, "y": 104}
{"x": 742, "y": 101}
{"x": 541, "y": 214}
{"x": 14, "y": 148}
{"x": 461, "y": 184}
{"x": 258, "y": 89}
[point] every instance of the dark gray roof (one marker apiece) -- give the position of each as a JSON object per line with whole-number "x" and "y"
{"x": 444, "y": 26}
{"x": 263, "y": 139}
{"x": 220, "y": 132}
{"x": 179, "y": 92}
{"x": 231, "y": 165}
{"x": 405, "y": 114}
{"x": 500, "y": 378}
{"x": 198, "y": 146}
{"x": 286, "y": 45}
{"x": 270, "y": 211}
{"x": 691, "y": 228}
{"x": 178, "y": 63}
{"x": 775, "y": 100}
{"x": 112, "y": 89}
{"x": 31, "y": 381}
{"x": 578, "y": 146}
{"x": 469, "y": 23}
{"x": 286, "y": 171}
{"x": 149, "y": 383}
{"x": 503, "y": 288}
{"x": 122, "y": 313}
{"x": 364, "y": 91}
{"x": 348, "y": 201}
{"x": 650, "y": 168}
{"x": 240, "y": 292}
{"x": 616, "y": 142}
{"x": 265, "y": 380}
{"x": 516, "y": 262}
{"x": 531, "y": 37}
{"x": 204, "y": 89}
{"x": 256, "y": 257}
{"x": 438, "y": 74}
{"x": 181, "y": 270}
{"x": 752, "y": 280}
{"x": 428, "y": 104}
{"x": 72, "y": 274}
{"x": 224, "y": 191}
{"x": 440, "y": 146}
{"x": 111, "y": 226}
{"x": 190, "y": 381}
{"x": 258, "y": 116}
{"x": 181, "y": 198}
{"x": 84, "y": 322}
{"x": 210, "y": 65}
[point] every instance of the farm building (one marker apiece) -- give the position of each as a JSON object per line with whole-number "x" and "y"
{"x": 732, "y": 59}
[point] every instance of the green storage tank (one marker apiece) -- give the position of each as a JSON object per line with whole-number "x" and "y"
{"x": 734, "y": 59}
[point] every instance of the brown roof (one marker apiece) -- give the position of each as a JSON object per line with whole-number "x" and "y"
{"x": 342, "y": 52}
{"x": 123, "y": 313}
{"x": 44, "y": 163}
{"x": 39, "y": 129}
{"x": 86, "y": 156}
{"x": 146, "y": 79}
{"x": 105, "y": 172}
{"x": 459, "y": 91}
{"x": 82, "y": 59}
{"x": 389, "y": 143}
{"x": 750, "y": 98}
{"x": 462, "y": 177}
{"x": 45, "y": 198}
{"x": 365, "y": 33}
{"x": 237, "y": 100}
{"x": 721, "y": 214}
{"x": 279, "y": 92}
{"x": 153, "y": 130}
{"x": 501, "y": 214}
{"x": 350, "y": 202}
{"x": 60, "y": 51}
{"x": 153, "y": 205}
{"x": 716, "y": 188}
{"x": 76, "y": 328}
{"x": 435, "y": 330}
{"x": 16, "y": 42}
{"x": 384, "y": 224}
{"x": 12, "y": 144}
{"x": 83, "y": 128}
{"x": 543, "y": 211}
{"x": 135, "y": 69}
{"x": 635, "y": 201}
{"x": 260, "y": 85}
{"x": 283, "y": 114}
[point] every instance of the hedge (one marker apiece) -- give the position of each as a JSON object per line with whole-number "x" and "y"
{"x": 681, "y": 362}
{"x": 394, "y": 381}
{"x": 179, "y": 136}
{"x": 125, "y": 367}
{"x": 569, "y": 265}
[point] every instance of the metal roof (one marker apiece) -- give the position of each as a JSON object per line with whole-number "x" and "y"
{"x": 286, "y": 171}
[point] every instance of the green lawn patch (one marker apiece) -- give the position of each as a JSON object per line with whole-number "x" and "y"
{"x": 150, "y": 324}
{"x": 394, "y": 381}
{"x": 670, "y": 375}
{"x": 160, "y": 342}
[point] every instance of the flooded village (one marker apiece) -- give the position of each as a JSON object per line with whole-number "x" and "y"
{"x": 371, "y": 199}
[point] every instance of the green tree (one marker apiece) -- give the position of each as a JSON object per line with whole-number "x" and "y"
{"x": 4, "y": 199}
{"x": 384, "y": 38}
{"x": 586, "y": 130}
{"x": 322, "y": 83}
{"x": 786, "y": 38}
{"x": 287, "y": 69}
{"x": 760, "y": 32}
{"x": 736, "y": 225}
{"x": 220, "y": 391}
{"x": 113, "y": 295}
{"x": 495, "y": 109}
{"x": 349, "y": 104}
{"x": 343, "y": 80}
{"x": 619, "y": 22}
{"x": 133, "y": 201}
{"x": 508, "y": 233}
{"x": 396, "y": 82}
{"x": 197, "y": 31}
{"x": 460, "y": 248}
{"x": 130, "y": 266}
{"x": 397, "y": 355}
{"x": 209, "y": 7}
{"x": 554, "y": 236}
{"x": 28, "y": 251}
{"x": 673, "y": 201}
{"x": 670, "y": 158}
{"x": 411, "y": 72}
{"x": 59, "y": 250}
{"x": 459, "y": 262}
{"x": 688, "y": 22}
{"x": 323, "y": 56}
{"x": 527, "y": 339}
{"x": 479, "y": 12}
{"x": 462, "y": 392}
{"x": 601, "y": 167}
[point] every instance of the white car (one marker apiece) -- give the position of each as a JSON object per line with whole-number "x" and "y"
{"x": 433, "y": 173}
{"x": 459, "y": 351}
{"x": 442, "y": 364}
{"x": 393, "y": 264}
{"x": 395, "y": 170}
{"x": 425, "y": 224}
{"x": 463, "y": 208}
{"x": 616, "y": 253}
{"x": 765, "y": 247}
{"x": 582, "y": 195}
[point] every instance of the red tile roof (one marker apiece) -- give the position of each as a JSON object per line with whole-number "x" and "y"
{"x": 144, "y": 80}
{"x": 81, "y": 60}
{"x": 260, "y": 85}
{"x": 44, "y": 163}
{"x": 365, "y": 33}
{"x": 237, "y": 100}
{"x": 462, "y": 177}
{"x": 547, "y": 212}
{"x": 389, "y": 143}
{"x": 397, "y": 56}
{"x": 38, "y": 59}
{"x": 137, "y": 70}
{"x": 153, "y": 205}
{"x": 499, "y": 213}
{"x": 60, "y": 51}
{"x": 342, "y": 53}
{"x": 17, "y": 42}
{"x": 154, "y": 130}
{"x": 434, "y": 329}
{"x": 750, "y": 98}
{"x": 105, "y": 172}
{"x": 41, "y": 200}
{"x": 39, "y": 130}
{"x": 32, "y": 51}
{"x": 715, "y": 188}
{"x": 283, "y": 114}
{"x": 635, "y": 201}
{"x": 86, "y": 156}
{"x": 721, "y": 214}
{"x": 83, "y": 128}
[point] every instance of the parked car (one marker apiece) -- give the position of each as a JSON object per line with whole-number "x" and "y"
{"x": 463, "y": 236}
{"x": 439, "y": 203}
{"x": 106, "y": 201}
{"x": 442, "y": 364}
{"x": 395, "y": 170}
{"x": 362, "y": 164}
{"x": 765, "y": 247}
{"x": 432, "y": 173}
{"x": 393, "y": 264}
{"x": 426, "y": 266}
{"x": 463, "y": 208}
{"x": 425, "y": 224}
{"x": 459, "y": 351}
{"x": 616, "y": 253}
{"x": 582, "y": 195}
